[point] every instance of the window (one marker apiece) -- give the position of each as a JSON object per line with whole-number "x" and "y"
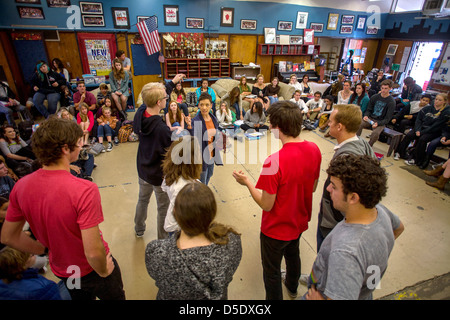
{"x": 407, "y": 5}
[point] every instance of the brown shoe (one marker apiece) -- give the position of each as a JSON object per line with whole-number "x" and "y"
{"x": 434, "y": 173}
{"x": 440, "y": 184}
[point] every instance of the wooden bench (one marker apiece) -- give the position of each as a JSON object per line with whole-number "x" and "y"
{"x": 394, "y": 138}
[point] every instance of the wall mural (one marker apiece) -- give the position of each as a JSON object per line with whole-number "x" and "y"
{"x": 404, "y": 30}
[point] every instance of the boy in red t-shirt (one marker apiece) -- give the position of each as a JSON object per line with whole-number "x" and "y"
{"x": 64, "y": 213}
{"x": 288, "y": 179}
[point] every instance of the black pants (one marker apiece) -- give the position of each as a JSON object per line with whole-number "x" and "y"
{"x": 272, "y": 252}
{"x": 245, "y": 127}
{"x": 403, "y": 145}
{"x": 421, "y": 147}
{"x": 93, "y": 286}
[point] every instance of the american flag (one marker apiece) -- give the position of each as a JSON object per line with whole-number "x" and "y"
{"x": 149, "y": 34}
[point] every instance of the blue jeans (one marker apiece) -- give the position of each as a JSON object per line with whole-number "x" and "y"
{"x": 206, "y": 175}
{"x": 272, "y": 99}
{"x": 52, "y": 98}
{"x": 238, "y": 111}
{"x": 105, "y": 131}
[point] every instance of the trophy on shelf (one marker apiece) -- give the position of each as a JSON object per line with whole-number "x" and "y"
{"x": 169, "y": 46}
{"x": 188, "y": 50}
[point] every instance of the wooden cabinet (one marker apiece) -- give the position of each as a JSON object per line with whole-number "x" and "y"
{"x": 198, "y": 68}
{"x": 248, "y": 72}
{"x": 286, "y": 50}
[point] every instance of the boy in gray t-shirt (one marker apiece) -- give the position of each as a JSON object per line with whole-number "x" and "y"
{"x": 354, "y": 256}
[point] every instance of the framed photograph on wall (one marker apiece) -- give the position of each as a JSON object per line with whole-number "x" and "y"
{"x": 317, "y": 27}
{"x": 285, "y": 25}
{"x": 345, "y": 29}
{"x": 347, "y": 19}
{"x": 226, "y": 17}
{"x": 91, "y": 20}
{"x": 308, "y": 36}
{"x": 270, "y": 36}
{"x": 29, "y": 1}
{"x": 91, "y": 7}
{"x": 295, "y": 39}
{"x": 171, "y": 15}
{"x": 248, "y": 24}
{"x": 195, "y": 23}
{"x": 361, "y": 22}
{"x": 142, "y": 18}
{"x": 333, "y": 19}
{"x": 392, "y": 49}
{"x": 302, "y": 20}
{"x": 58, "y": 3}
{"x": 371, "y": 30}
{"x": 121, "y": 18}
{"x": 30, "y": 12}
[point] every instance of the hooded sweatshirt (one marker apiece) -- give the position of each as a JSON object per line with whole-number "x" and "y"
{"x": 45, "y": 85}
{"x": 154, "y": 140}
{"x": 328, "y": 215}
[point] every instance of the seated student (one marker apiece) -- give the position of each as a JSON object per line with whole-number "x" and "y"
{"x": 65, "y": 114}
{"x": 360, "y": 97}
{"x": 6, "y": 182}
{"x": 118, "y": 80}
{"x": 245, "y": 91}
{"x": 260, "y": 91}
{"x": 67, "y": 99}
{"x": 102, "y": 94}
{"x": 83, "y": 96}
{"x": 177, "y": 175}
{"x": 343, "y": 96}
{"x": 85, "y": 120}
{"x": 8, "y": 104}
{"x": 205, "y": 88}
{"x": 235, "y": 102}
{"x": 14, "y": 148}
{"x": 375, "y": 85}
{"x": 442, "y": 172}
{"x": 107, "y": 125}
{"x": 296, "y": 98}
{"x": 179, "y": 96}
{"x": 323, "y": 117}
{"x": 410, "y": 92}
{"x": 19, "y": 281}
{"x": 199, "y": 262}
{"x": 406, "y": 118}
{"x": 255, "y": 118}
{"x": 314, "y": 106}
{"x": 294, "y": 82}
{"x": 272, "y": 90}
{"x": 224, "y": 115}
{"x": 175, "y": 120}
{"x": 304, "y": 85}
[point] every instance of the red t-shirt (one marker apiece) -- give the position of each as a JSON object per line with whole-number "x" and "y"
{"x": 290, "y": 174}
{"x": 89, "y": 98}
{"x": 58, "y": 205}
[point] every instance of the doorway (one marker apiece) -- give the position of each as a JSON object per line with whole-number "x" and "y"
{"x": 422, "y": 60}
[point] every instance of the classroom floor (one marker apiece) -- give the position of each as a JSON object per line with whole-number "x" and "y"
{"x": 421, "y": 253}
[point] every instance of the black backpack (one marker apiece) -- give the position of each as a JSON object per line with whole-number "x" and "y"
{"x": 25, "y": 129}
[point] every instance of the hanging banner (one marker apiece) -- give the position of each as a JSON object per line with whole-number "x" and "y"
{"x": 98, "y": 56}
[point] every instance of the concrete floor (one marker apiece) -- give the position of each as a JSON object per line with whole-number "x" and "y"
{"x": 420, "y": 254}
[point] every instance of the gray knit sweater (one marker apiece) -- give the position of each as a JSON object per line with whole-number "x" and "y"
{"x": 200, "y": 273}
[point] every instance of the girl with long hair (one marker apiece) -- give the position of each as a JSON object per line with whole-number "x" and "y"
{"x": 245, "y": 91}
{"x": 360, "y": 97}
{"x": 118, "y": 80}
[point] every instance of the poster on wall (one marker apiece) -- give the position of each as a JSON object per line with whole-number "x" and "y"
{"x": 98, "y": 56}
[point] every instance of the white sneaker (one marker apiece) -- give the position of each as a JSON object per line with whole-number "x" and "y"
{"x": 110, "y": 146}
{"x": 397, "y": 156}
{"x": 410, "y": 162}
{"x": 304, "y": 279}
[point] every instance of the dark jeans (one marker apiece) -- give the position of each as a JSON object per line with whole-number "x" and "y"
{"x": 87, "y": 166}
{"x": 245, "y": 127}
{"x": 272, "y": 252}
{"x": 403, "y": 145}
{"x": 93, "y": 286}
{"x": 421, "y": 146}
{"x": 434, "y": 144}
{"x": 238, "y": 111}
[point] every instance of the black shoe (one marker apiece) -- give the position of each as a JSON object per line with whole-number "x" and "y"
{"x": 425, "y": 163}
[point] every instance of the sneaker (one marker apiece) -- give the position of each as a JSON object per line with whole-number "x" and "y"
{"x": 89, "y": 178}
{"x": 110, "y": 146}
{"x": 397, "y": 156}
{"x": 410, "y": 162}
{"x": 139, "y": 234}
{"x": 304, "y": 279}
{"x": 93, "y": 140}
{"x": 116, "y": 140}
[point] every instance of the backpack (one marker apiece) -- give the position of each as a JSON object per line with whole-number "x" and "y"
{"x": 25, "y": 129}
{"x": 125, "y": 132}
{"x": 191, "y": 98}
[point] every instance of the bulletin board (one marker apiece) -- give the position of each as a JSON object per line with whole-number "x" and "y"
{"x": 441, "y": 73}
{"x": 97, "y": 50}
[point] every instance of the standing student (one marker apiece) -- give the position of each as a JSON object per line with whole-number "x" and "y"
{"x": 205, "y": 127}
{"x": 361, "y": 244}
{"x": 199, "y": 262}
{"x": 154, "y": 139}
{"x": 64, "y": 212}
{"x": 288, "y": 179}
{"x": 379, "y": 112}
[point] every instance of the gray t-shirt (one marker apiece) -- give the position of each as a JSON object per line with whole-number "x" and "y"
{"x": 353, "y": 256}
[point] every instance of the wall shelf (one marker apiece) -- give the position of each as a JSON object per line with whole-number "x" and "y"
{"x": 198, "y": 68}
{"x": 248, "y": 72}
{"x": 286, "y": 49}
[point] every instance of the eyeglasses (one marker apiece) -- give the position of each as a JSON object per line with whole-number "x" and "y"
{"x": 166, "y": 97}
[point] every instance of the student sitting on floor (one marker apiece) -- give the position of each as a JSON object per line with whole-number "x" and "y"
{"x": 85, "y": 120}
{"x": 296, "y": 98}
{"x": 106, "y": 127}
{"x": 255, "y": 119}
{"x": 314, "y": 106}
{"x": 324, "y": 115}
{"x": 175, "y": 119}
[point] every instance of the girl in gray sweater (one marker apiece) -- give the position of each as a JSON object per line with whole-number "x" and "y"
{"x": 255, "y": 118}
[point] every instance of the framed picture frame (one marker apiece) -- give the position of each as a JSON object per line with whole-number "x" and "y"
{"x": 195, "y": 23}
{"x": 333, "y": 20}
{"x": 308, "y": 36}
{"x": 121, "y": 18}
{"x": 302, "y": 20}
{"x": 226, "y": 17}
{"x": 295, "y": 39}
{"x": 392, "y": 49}
{"x": 347, "y": 19}
{"x": 248, "y": 24}
{"x": 317, "y": 27}
{"x": 91, "y": 20}
{"x": 361, "y": 22}
{"x": 141, "y": 18}
{"x": 30, "y": 12}
{"x": 371, "y": 30}
{"x": 270, "y": 36}
{"x": 91, "y": 7}
{"x": 285, "y": 25}
{"x": 58, "y": 3}
{"x": 171, "y": 15}
{"x": 29, "y": 1}
{"x": 346, "y": 29}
